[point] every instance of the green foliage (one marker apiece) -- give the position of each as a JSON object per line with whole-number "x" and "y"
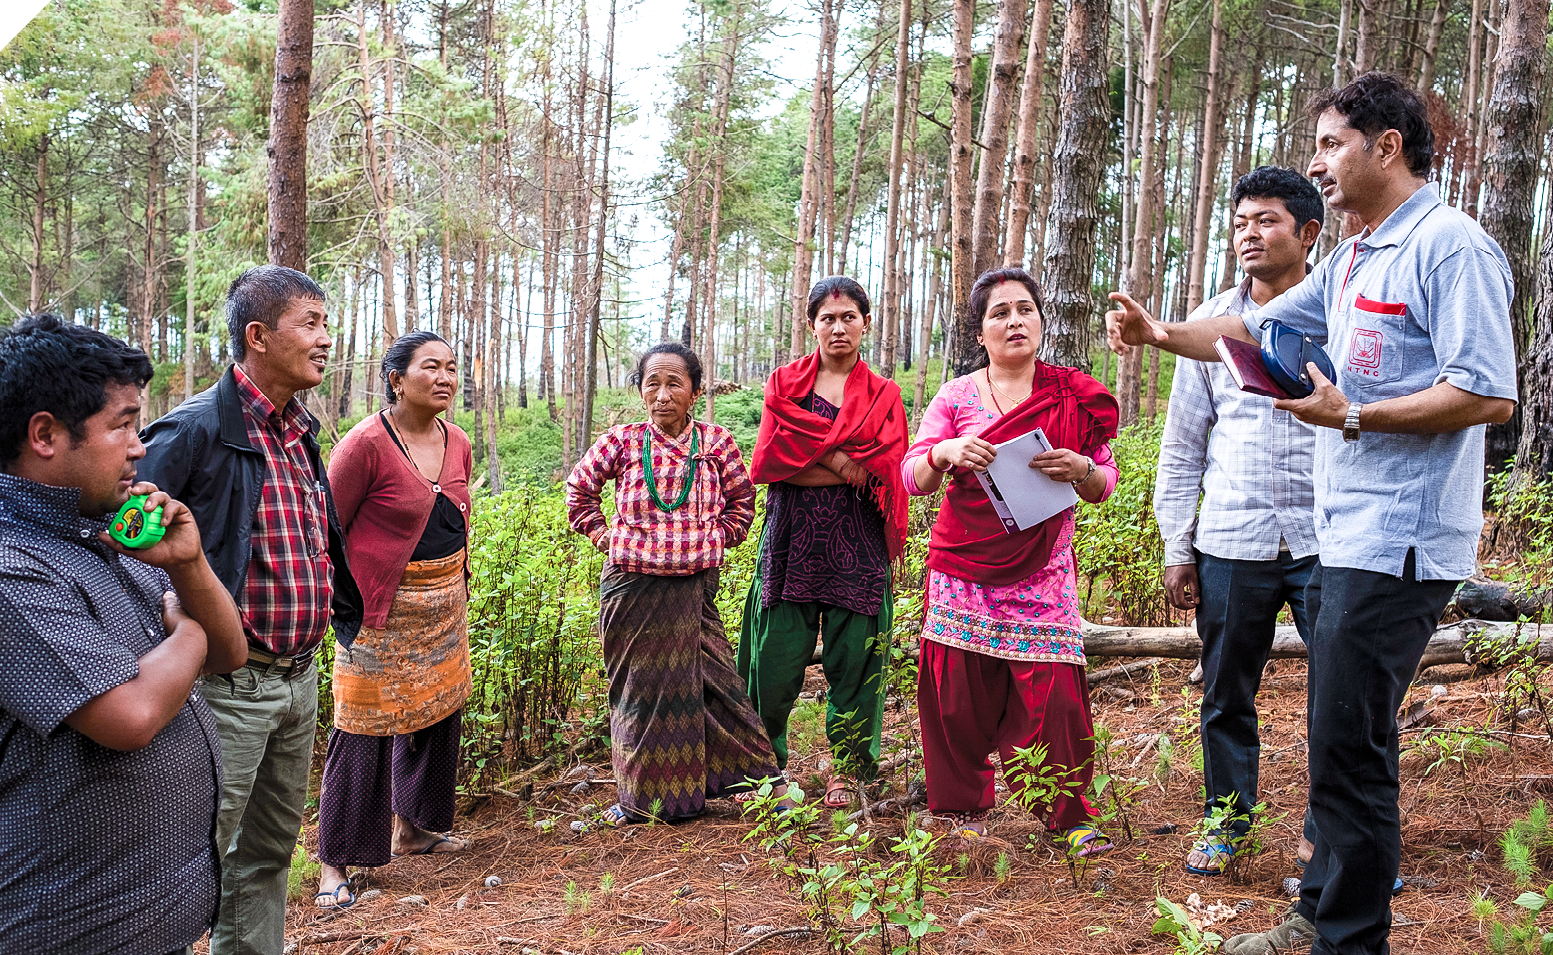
{"x": 1115, "y": 797}
{"x": 1453, "y": 746}
{"x": 1525, "y": 507}
{"x": 302, "y": 877}
{"x": 1191, "y": 939}
{"x": 1117, "y": 543}
{"x": 1526, "y": 843}
{"x": 578, "y": 901}
{"x": 842, "y": 876}
{"x": 533, "y": 615}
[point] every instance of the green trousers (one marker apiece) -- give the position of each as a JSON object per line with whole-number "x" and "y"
{"x": 266, "y": 724}
{"x": 775, "y": 647}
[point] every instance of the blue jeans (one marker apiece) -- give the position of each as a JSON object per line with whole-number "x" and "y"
{"x": 1236, "y": 620}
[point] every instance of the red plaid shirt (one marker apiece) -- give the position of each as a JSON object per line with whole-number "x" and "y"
{"x": 645, "y": 538}
{"x": 290, "y": 583}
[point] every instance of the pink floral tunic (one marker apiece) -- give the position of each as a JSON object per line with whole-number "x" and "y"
{"x": 1034, "y": 619}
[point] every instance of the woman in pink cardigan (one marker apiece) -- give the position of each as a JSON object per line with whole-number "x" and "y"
{"x": 401, "y": 483}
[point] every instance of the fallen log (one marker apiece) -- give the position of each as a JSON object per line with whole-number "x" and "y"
{"x": 1448, "y": 645}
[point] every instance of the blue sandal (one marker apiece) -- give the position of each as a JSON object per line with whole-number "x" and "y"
{"x": 1219, "y": 855}
{"x": 335, "y": 904}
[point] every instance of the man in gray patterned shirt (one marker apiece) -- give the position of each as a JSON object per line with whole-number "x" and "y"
{"x": 110, "y": 766}
{"x": 1250, "y": 549}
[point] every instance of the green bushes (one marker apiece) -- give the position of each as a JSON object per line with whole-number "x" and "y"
{"x": 533, "y": 613}
{"x": 1119, "y": 552}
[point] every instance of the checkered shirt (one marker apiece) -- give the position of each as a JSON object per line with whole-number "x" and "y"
{"x": 1250, "y": 462}
{"x": 290, "y": 583}
{"x": 644, "y": 538}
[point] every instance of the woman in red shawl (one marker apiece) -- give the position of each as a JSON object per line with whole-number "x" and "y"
{"x": 832, "y": 436}
{"x": 1002, "y": 662}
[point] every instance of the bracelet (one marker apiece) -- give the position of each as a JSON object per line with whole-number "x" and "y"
{"x": 941, "y": 470}
{"x": 1089, "y": 474}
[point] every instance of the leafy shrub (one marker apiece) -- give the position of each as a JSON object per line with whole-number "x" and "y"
{"x": 1117, "y": 543}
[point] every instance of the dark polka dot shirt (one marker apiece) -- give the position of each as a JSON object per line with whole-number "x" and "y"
{"x": 100, "y": 851}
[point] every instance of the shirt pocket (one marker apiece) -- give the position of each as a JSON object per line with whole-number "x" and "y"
{"x": 1375, "y": 353}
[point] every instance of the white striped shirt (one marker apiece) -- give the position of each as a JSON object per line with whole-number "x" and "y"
{"x": 1250, "y": 462}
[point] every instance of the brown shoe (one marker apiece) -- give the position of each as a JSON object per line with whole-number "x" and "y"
{"x": 1294, "y": 936}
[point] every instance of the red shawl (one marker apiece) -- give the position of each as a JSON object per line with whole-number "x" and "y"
{"x": 1076, "y": 412}
{"x": 870, "y": 429}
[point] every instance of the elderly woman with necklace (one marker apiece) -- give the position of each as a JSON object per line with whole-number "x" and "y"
{"x": 1002, "y": 663}
{"x": 401, "y": 482}
{"x": 682, "y": 729}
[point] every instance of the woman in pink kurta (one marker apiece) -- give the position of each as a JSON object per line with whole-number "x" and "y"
{"x": 1002, "y": 662}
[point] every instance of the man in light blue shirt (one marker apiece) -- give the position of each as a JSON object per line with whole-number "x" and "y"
{"x": 1414, "y": 312}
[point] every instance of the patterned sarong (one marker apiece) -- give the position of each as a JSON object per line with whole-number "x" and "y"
{"x": 682, "y": 729}
{"x": 415, "y": 671}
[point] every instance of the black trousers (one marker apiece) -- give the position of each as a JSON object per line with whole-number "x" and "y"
{"x": 1236, "y": 620}
{"x": 1371, "y": 631}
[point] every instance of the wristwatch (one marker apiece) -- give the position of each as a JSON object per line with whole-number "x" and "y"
{"x": 1087, "y": 474}
{"x": 1351, "y": 423}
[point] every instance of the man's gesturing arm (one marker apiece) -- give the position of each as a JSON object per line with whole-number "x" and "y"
{"x": 1129, "y": 324}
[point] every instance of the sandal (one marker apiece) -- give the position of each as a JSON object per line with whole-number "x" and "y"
{"x": 1219, "y": 854}
{"x": 1086, "y": 840}
{"x": 838, "y": 792}
{"x": 335, "y": 903}
{"x": 968, "y": 826}
{"x": 442, "y": 839}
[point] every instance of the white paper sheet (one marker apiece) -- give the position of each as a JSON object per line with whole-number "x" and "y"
{"x": 1022, "y": 495}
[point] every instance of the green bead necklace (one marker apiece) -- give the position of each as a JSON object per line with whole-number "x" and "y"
{"x": 690, "y": 478}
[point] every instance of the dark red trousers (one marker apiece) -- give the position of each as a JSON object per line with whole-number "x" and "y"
{"x": 971, "y": 704}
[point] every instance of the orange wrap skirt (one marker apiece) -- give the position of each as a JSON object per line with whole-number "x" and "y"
{"x": 414, "y": 672}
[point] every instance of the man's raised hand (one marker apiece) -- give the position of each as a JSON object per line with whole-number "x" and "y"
{"x": 1129, "y": 324}
{"x": 180, "y": 544}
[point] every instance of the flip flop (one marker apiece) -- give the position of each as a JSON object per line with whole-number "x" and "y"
{"x": 1079, "y": 840}
{"x": 426, "y": 850}
{"x": 335, "y": 904}
{"x": 838, "y": 785}
{"x": 1219, "y": 854}
{"x": 965, "y": 827}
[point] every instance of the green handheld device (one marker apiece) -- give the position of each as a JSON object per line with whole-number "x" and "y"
{"x": 136, "y": 527}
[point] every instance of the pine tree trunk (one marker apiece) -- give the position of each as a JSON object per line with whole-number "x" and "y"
{"x": 603, "y": 122}
{"x": 1442, "y": 9}
{"x": 286, "y": 184}
{"x": 995, "y": 114}
{"x": 808, "y": 202}
{"x": 1208, "y": 178}
{"x": 1028, "y": 138}
{"x": 1079, "y": 167}
{"x": 1534, "y": 451}
{"x": 1140, "y": 280}
{"x": 929, "y": 306}
{"x": 1511, "y": 165}
{"x": 965, "y": 353}
{"x": 892, "y": 215}
{"x": 857, "y": 163}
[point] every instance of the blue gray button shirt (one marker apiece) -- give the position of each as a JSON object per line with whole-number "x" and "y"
{"x": 1423, "y": 299}
{"x": 101, "y": 851}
